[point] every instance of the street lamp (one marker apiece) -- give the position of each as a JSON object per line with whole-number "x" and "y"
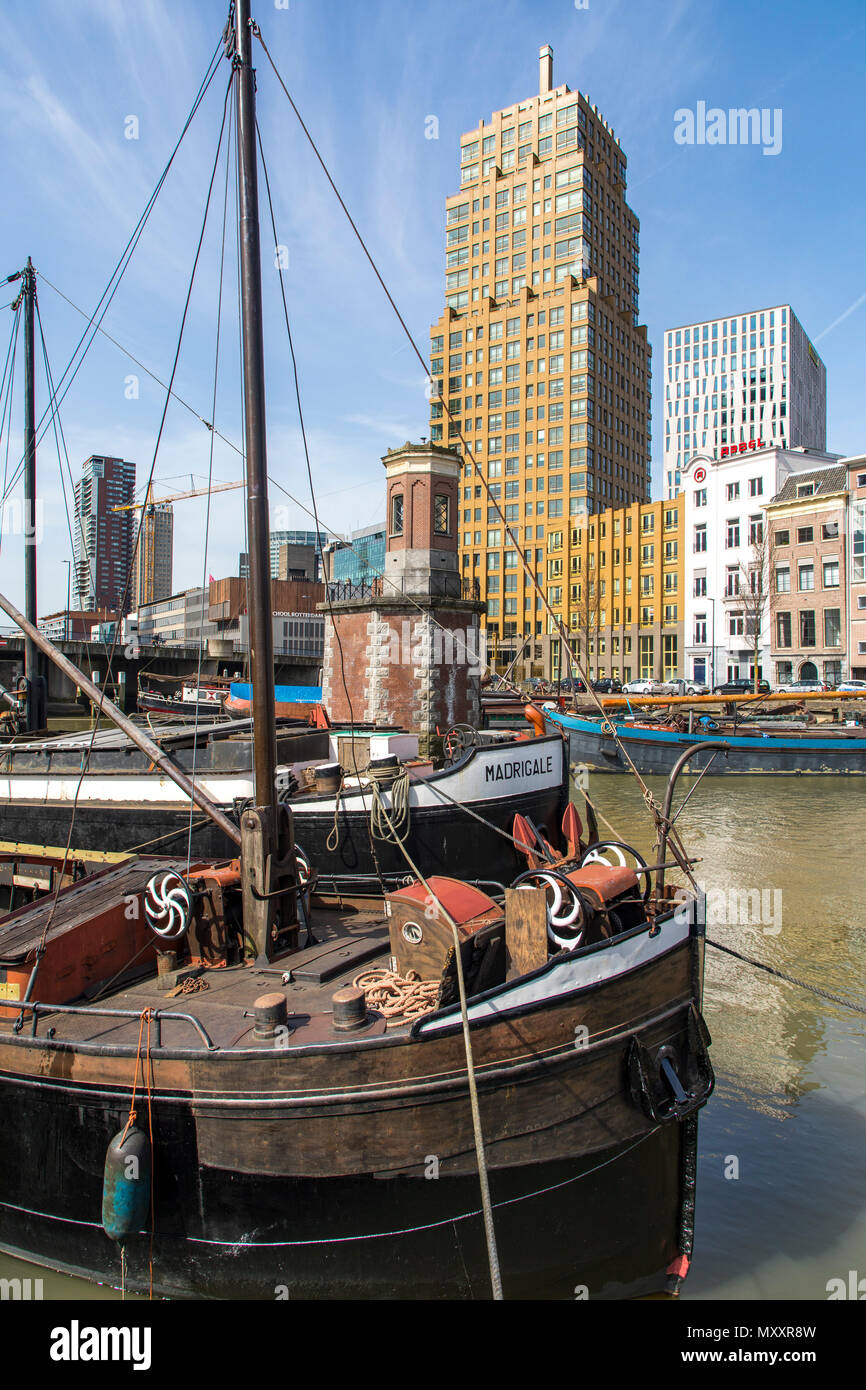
{"x": 713, "y": 657}
{"x": 68, "y": 564}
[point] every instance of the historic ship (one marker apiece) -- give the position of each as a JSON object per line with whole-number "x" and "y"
{"x": 221, "y": 1076}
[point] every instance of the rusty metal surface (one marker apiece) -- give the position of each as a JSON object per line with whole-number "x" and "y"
{"x": 78, "y": 904}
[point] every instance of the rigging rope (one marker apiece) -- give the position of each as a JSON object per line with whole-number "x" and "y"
{"x": 209, "y": 479}
{"x": 481, "y": 1161}
{"x": 125, "y": 258}
{"x": 676, "y": 845}
{"x": 40, "y": 949}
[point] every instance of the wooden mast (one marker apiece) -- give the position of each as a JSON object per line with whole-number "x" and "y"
{"x": 35, "y": 713}
{"x": 259, "y": 604}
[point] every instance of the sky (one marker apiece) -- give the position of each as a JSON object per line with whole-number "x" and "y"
{"x": 93, "y": 96}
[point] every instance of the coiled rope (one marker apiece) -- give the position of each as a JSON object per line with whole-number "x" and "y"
{"x": 392, "y": 826}
{"x": 398, "y": 997}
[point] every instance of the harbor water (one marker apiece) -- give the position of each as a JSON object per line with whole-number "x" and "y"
{"x": 781, "y": 1206}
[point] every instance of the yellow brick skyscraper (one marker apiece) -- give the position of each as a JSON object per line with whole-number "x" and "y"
{"x": 538, "y": 355}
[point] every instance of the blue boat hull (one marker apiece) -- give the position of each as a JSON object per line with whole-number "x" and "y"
{"x": 655, "y": 751}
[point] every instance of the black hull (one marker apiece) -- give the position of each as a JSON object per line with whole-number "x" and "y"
{"x": 612, "y": 1222}
{"x": 441, "y": 841}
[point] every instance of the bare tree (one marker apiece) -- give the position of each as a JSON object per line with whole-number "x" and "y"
{"x": 585, "y": 609}
{"x": 755, "y": 589}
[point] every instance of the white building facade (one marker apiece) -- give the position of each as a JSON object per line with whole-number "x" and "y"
{"x": 754, "y": 378}
{"x": 724, "y": 518}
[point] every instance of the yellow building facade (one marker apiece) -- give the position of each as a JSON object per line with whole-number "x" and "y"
{"x": 538, "y": 364}
{"x": 625, "y": 574}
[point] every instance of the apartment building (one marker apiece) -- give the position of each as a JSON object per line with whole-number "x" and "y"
{"x": 103, "y": 537}
{"x": 806, "y": 524}
{"x": 625, "y": 574}
{"x": 727, "y": 566}
{"x": 856, "y": 555}
{"x": 751, "y": 379}
{"x": 538, "y": 361}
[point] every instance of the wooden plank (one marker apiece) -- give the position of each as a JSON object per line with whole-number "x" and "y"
{"x": 525, "y": 929}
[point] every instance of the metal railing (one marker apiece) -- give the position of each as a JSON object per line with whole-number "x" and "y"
{"x": 159, "y": 1016}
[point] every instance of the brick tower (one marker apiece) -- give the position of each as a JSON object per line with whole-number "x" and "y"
{"x": 407, "y": 645}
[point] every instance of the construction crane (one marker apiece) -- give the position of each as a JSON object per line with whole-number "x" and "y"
{"x": 151, "y": 501}
{"x": 145, "y": 561}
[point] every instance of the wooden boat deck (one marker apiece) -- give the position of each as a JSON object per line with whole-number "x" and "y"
{"x": 347, "y": 941}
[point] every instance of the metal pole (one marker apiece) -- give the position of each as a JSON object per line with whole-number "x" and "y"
{"x": 68, "y": 564}
{"x": 32, "y": 664}
{"x": 132, "y": 731}
{"x": 259, "y": 605}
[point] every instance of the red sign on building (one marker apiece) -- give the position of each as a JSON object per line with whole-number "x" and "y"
{"x": 730, "y": 449}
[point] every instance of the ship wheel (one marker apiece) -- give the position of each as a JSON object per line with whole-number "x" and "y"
{"x": 613, "y": 855}
{"x": 567, "y": 911}
{"x": 458, "y": 738}
{"x": 168, "y": 905}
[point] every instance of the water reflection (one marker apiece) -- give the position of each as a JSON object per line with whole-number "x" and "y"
{"x": 789, "y": 1103}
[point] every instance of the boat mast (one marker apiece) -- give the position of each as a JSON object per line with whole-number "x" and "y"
{"x": 259, "y": 602}
{"x": 35, "y": 713}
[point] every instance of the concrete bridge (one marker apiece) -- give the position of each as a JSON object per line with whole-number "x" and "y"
{"x": 178, "y": 663}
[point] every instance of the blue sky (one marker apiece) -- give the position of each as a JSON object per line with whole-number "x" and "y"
{"x": 723, "y": 229}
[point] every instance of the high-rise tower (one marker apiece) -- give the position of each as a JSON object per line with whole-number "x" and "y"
{"x": 753, "y": 381}
{"x": 538, "y": 361}
{"x": 103, "y": 538}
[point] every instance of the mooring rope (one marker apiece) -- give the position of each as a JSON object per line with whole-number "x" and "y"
{"x": 486, "y": 1204}
{"x": 790, "y": 979}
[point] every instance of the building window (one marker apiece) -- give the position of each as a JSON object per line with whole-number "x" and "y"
{"x": 732, "y": 539}
{"x": 700, "y": 586}
{"x": 858, "y": 542}
{"x": 807, "y": 627}
{"x": 832, "y": 627}
{"x": 806, "y": 576}
{"x": 783, "y": 579}
{"x": 442, "y": 514}
{"x": 756, "y": 487}
{"x": 700, "y": 630}
{"x": 831, "y": 574}
{"x": 805, "y": 535}
{"x": 830, "y": 531}
{"x": 700, "y": 538}
{"x": 397, "y": 514}
{"x": 781, "y": 538}
{"x": 732, "y": 491}
{"x": 701, "y": 497}
{"x": 783, "y": 629}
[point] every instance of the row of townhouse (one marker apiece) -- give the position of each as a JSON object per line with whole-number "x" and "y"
{"x": 774, "y": 565}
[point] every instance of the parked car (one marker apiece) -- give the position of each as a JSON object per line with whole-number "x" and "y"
{"x": 607, "y": 686}
{"x": 851, "y": 686}
{"x": 643, "y": 687}
{"x": 572, "y": 683}
{"x": 802, "y": 687}
{"x": 742, "y": 688}
{"x": 680, "y": 686}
